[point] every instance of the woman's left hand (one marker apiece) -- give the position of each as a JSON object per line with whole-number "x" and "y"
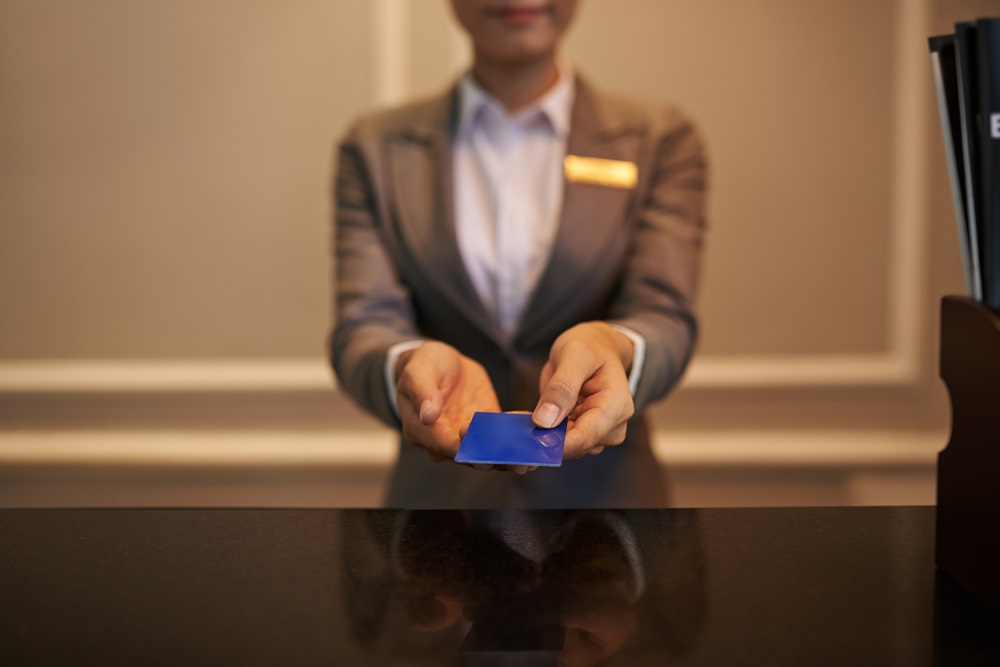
{"x": 586, "y": 380}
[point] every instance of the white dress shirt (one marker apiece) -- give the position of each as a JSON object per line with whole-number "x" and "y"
{"x": 508, "y": 177}
{"x": 507, "y": 171}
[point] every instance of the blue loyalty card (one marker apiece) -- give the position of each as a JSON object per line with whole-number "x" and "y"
{"x": 511, "y": 439}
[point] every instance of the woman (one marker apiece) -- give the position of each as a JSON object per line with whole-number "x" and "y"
{"x": 522, "y": 242}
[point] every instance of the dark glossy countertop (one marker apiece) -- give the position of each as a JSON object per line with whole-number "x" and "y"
{"x": 811, "y": 586}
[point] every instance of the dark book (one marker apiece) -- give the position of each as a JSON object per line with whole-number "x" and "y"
{"x": 988, "y": 63}
{"x": 945, "y": 70}
{"x": 968, "y": 101}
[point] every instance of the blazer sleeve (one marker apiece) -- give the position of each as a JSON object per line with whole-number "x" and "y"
{"x": 372, "y": 309}
{"x": 659, "y": 285}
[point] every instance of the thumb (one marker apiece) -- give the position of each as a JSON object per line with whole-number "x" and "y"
{"x": 559, "y": 395}
{"x": 418, "y": 385}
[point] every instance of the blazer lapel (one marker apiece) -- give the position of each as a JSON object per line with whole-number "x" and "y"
{"x": 420, "y": 164}
{"x": 590, "y": 213}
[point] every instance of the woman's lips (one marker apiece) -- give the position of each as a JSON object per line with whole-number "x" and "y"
{"x": 518, "y": 15}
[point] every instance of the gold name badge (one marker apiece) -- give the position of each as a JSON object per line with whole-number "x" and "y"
{"x": 597, "y": 171}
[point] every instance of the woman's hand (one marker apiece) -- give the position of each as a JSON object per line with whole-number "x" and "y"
{"x": 438, "y": 389}
{"x": 586, "y": 380}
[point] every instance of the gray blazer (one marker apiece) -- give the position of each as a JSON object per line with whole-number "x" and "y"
{"x": 623, "y": 255}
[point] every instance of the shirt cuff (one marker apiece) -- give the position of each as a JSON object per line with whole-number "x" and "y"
{"x": 630, "y": 546}
{"x": 638, "y": 355}
{"x": 389, "y": 370}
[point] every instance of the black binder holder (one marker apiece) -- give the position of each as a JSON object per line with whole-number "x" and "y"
{"x": 968, "y": 475}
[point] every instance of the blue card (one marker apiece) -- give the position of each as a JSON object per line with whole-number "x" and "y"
{"x": 511, "y": 439}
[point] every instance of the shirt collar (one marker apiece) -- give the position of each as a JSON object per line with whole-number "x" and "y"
{"x": 556, "y": 104}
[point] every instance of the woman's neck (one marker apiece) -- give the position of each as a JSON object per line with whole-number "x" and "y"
{"x": 517, "y": 86}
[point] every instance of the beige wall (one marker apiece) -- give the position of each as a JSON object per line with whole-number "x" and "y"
{"x": 165, "y": 169}
{"x": 795, "y": 101}
{"x": 164, "y": 173}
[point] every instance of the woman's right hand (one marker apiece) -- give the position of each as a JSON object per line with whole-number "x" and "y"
{"x": 438, "y": 389}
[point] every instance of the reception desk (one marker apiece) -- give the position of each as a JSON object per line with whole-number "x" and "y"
{"x": 782, "y": 586}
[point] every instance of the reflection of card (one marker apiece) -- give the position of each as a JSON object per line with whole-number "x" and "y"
{"x": 512, "y": 439}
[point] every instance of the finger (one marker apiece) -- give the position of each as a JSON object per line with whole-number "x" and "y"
{"x": 594, "y": 428}
{"x": 593, "y": 634}
{"x": 545, "y": 375}
{"x": 418, "y": 386}
{"x": 430, "y": 410}
{"x": 435, "y": 613}
{"x": 425, "y": 403}
{"x": 559, "y": 395}
{"x": 412, "y": 428}
{"x": 439, "y": 445}
{"x": 581, "y": 443}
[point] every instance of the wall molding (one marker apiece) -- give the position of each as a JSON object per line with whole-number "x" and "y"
{"x": 909, "y": 215}
{"x": 314, "y": 374}
{"x": 389, "y": 39}
{"x": 376, "y": 448}
{"x": 165, "y": 375}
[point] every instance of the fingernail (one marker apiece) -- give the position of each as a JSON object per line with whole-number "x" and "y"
{"x": 546, "y": 415}
{"x": 424, "y": 407}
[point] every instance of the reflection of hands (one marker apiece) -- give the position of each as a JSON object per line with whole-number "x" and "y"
{"x": 586, "y": 379}
{"x": 596, "y": 591}
{"x": 452, "y": 570}
{"x": 595, "y": 629}
{"x": 438, "y": 389}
